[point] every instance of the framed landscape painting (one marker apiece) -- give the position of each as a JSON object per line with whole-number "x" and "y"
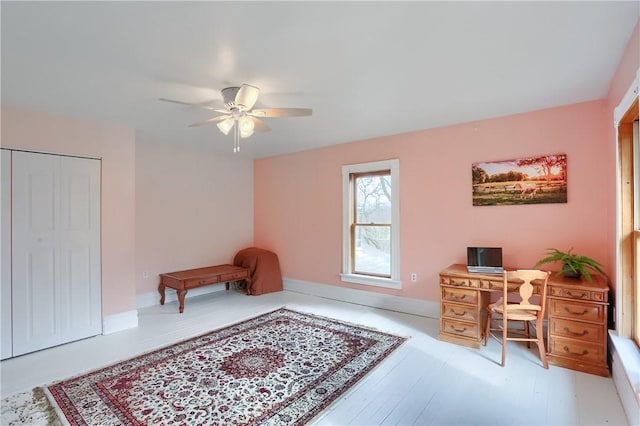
{"x": 533, "y": 180}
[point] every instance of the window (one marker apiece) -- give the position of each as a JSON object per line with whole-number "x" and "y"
{"x": 628, "y": 274}
{"x": 371, "y": 231}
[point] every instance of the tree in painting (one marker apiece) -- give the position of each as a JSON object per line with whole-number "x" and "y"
{"x": 546, "y": 164}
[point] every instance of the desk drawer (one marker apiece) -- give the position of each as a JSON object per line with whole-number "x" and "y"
{"x": 585, "y": 331}
{"x": 197, "y": 282}
{"x": 233, "y": 276}
{"x": 460, "y": 295}
{"x": 577, "y": 310}
{"x": 572, "y": 293}
{"x": 578, "y": 350}
{"x": 460, "y": 311}
{"x": 460, "y": 328}
{"x": 497, "y": 286}
{"x": 459, "y": 282}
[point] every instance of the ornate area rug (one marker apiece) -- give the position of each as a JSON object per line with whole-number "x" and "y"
{"x": 279, "y": 368}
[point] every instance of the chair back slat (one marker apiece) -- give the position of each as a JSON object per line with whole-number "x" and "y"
{"x": 526, "y": 288}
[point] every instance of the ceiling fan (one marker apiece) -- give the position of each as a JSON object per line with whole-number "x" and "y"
{"x": 239, "y": 115}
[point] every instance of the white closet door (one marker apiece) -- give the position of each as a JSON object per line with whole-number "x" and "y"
{"x": 55, "y": 250}
{"x": 6, "y": 350}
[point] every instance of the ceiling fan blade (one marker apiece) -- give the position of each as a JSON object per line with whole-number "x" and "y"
{"x": 260, "y": 125}
{"x": 209, "y": 108}
{"x": 280, "y": 112}
{"x": 210, "y": 121}
{"x": 247, "y": 96}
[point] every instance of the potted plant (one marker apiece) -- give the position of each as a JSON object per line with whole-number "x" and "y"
{"x": 573, "y": 265}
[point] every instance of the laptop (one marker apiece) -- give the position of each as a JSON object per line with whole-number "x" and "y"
{"x": 485, "y": 260}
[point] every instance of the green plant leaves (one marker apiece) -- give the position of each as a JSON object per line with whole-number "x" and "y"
{"x": 572, "y": 263}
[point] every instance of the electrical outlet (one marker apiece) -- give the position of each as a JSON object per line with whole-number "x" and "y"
{"x": 145, "y": 275}
{"x": 414, "y": 277}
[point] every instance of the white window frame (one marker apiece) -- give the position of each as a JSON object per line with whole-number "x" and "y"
{"x": 347, "y": 275}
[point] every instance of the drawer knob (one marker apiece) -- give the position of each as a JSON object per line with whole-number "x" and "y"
{"x": 584, "y": 352}
{"x": 573, "y": 333}
{"x": 202, "y": 281}
{"x": 453, "y": 311}
{"x": 569, "y": 311}
{"x": 460, "y": 297}
{"x": 459, "y": 330}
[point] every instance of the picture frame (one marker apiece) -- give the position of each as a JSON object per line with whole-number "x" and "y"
{"x": 531, "y": 180}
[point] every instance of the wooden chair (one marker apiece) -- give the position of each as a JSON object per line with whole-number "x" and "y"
{"x": 518, "y": 284}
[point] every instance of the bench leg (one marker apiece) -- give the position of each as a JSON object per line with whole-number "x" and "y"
{"x": 161, "y": 290}
{"x": 181, "y": 294}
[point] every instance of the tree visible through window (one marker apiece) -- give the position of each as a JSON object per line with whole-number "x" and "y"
{"x": 371, "y": 230}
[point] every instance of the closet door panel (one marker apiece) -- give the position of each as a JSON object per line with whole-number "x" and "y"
{"x": 56, "y": 211}
{"x": 80, "y": 216}
{"x": 34, "y": 252}
{"x": 35, "y": 302}
{"x": 6, "y": 345}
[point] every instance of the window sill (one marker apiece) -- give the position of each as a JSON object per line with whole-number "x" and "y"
{"x": 629, "y": 356}
{"x": 373, "y": 281}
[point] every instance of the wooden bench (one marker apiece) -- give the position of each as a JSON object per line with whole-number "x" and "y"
{"x": 183, "y": 281}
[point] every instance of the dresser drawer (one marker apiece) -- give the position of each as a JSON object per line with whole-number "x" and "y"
{"x": 577, "y": 310}
{"x": 460, "y": 328}
{"x": 578, "y": 350}
{"x": 458, "y": 311}
{"x": 585, "y": 331}
{"x": 460, "y": 295}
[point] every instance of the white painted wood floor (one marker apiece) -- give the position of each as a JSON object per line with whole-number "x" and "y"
{"x": 424, "y": 382}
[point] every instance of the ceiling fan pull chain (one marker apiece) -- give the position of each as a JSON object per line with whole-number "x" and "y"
{"x": 236, "y": 138}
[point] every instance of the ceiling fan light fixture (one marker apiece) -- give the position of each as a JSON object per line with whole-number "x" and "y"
{"x": 225, "y": 126}
{"x": 246, "y": 126}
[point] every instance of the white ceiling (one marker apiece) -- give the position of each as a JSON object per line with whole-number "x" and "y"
{"x": 366, "y": 69}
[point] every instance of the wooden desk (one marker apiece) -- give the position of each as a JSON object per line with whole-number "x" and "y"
{"x": 576, "y": 309}
{"x": 183, "y": 281}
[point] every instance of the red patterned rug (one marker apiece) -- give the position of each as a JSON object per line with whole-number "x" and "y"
{"x": 280, "y": 368}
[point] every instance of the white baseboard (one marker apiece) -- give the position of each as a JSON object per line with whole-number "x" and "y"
{"x": 625, "y": 369}
{"x": 425, "y": 308}
{"x": 153, "y": 298}
{"x": 120, "y": 321}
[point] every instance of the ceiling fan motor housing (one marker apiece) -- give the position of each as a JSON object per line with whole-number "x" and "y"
{"x": 229, "y": 97}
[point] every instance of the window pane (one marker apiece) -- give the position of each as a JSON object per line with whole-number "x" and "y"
{"x": 372, "y": 250}
{"x": 373, "y": 199}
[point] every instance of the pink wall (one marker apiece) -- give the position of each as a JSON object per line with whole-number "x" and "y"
{"x": 36, "y": 131}
{"x": 193, "y": 208}
{"x": 298, "y": 197}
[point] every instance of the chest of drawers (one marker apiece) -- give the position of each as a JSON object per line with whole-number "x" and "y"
{"x": 577, "y": 326}
{"x": 576, "y": 310}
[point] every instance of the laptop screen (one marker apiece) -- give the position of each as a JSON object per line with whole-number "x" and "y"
{"x": 484, "y": 258}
